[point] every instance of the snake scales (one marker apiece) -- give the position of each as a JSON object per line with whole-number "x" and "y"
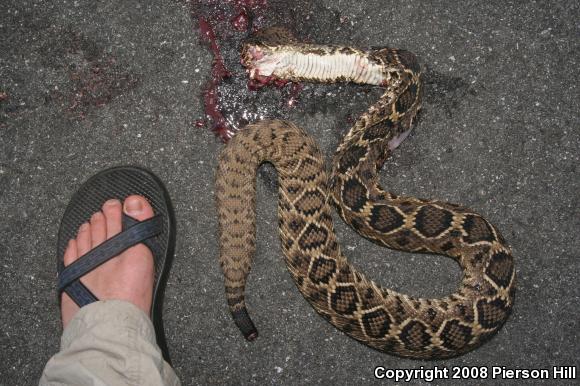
{"x": 381, "y": 318}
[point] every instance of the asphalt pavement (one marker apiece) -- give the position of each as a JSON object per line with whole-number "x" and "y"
{"x": 85, "y": 85}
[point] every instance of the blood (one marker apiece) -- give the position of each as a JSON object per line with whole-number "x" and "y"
{"x": 212, "y": 110}
{"x": 255, "y": 84}
{"x": 219, "y": 72}
{"x": 280, "y": 82}
{"x": 295, "y": 90}
{"x": 241, "y": 21}
{"x": 208, "y": 36}
{"x": 258, "y": 81}
{"x": 245, "y": 8}
{"x": 244, "y": 11}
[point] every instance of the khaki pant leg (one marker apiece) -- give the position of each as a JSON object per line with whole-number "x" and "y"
{"x": 109, "y": 342}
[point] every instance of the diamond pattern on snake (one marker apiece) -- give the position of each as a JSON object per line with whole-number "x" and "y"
{"x": 379, "y": 317}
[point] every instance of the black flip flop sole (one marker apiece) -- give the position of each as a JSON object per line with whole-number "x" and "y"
{"x": 121, "y": 182}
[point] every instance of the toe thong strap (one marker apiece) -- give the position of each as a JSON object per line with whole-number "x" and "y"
{"x": 151, "y": 243}
{"x": 137, "y": 233}
{"x": 81, "y": 295}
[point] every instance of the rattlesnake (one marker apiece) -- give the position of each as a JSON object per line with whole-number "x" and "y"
{"x": 381, "y": 318}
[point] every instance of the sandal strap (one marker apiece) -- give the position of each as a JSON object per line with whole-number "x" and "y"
{"x": 80, "y": 294}
{"x": 114, "y": 246}
{"x": 83, "y": 296}
{"x": 151, "y": 243}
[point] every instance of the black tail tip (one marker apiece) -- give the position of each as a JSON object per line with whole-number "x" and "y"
{"x": 245, "y": 324}
{"x": 252, "y": 336}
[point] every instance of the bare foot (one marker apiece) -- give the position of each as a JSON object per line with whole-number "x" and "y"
{"x": 128, "y": 276}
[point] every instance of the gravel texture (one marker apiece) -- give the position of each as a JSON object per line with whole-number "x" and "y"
{"x": 85, "y": 85}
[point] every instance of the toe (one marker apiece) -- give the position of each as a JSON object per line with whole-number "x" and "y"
{"x": 70, "y": 254}
{"x": 84, "y": 239}
{"x": 139, "y": 257}
{"x": 138, "y": 207}
{"x": 112, "y": 210}
{"x": 98, "y": 229}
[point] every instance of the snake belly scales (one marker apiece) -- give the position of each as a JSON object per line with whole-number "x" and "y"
{"x": 381, "y": 318}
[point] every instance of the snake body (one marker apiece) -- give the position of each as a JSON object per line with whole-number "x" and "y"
{"x": 379, "y": 317}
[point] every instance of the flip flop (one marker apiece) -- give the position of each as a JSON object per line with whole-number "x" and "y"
{"x": 157, "y": 233}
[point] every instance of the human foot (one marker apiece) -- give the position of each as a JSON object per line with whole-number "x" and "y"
{"x": 130, "y": 275}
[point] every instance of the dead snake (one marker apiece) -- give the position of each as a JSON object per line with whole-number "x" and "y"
{"x": 379, "y": 317}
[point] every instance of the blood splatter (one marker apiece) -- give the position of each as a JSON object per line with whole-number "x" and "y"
{"x": 258, "y": 81}
{"x": 239, "y": 14}
{"x": 253, "y": 9}
{"x": 219, "y": 72}
{"x": 294, "y": 91}
{"x": 208, "y": 36}
{"x": 241, "y": 21}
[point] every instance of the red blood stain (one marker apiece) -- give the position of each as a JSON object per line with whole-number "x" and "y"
{"x": 247, "y": 7}
{"x": 239, "y": 19}
{"x": 208, "y": 36}
{"x": 280, "y": 82}
{"x": 294, "y": 91}
{"x": 212, "y": 111}
{"x": 218, "y": 73}
{"x": 254, "y": 84}
{"x": 247, "y": 13}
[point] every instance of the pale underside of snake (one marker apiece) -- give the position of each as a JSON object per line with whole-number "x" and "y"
{"x": 381, "y": 318}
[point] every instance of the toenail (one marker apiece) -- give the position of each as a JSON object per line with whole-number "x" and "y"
{"x": 112, "y": 202}
{"x": 133, "y": 206}
{"x": 84, "y": 227}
